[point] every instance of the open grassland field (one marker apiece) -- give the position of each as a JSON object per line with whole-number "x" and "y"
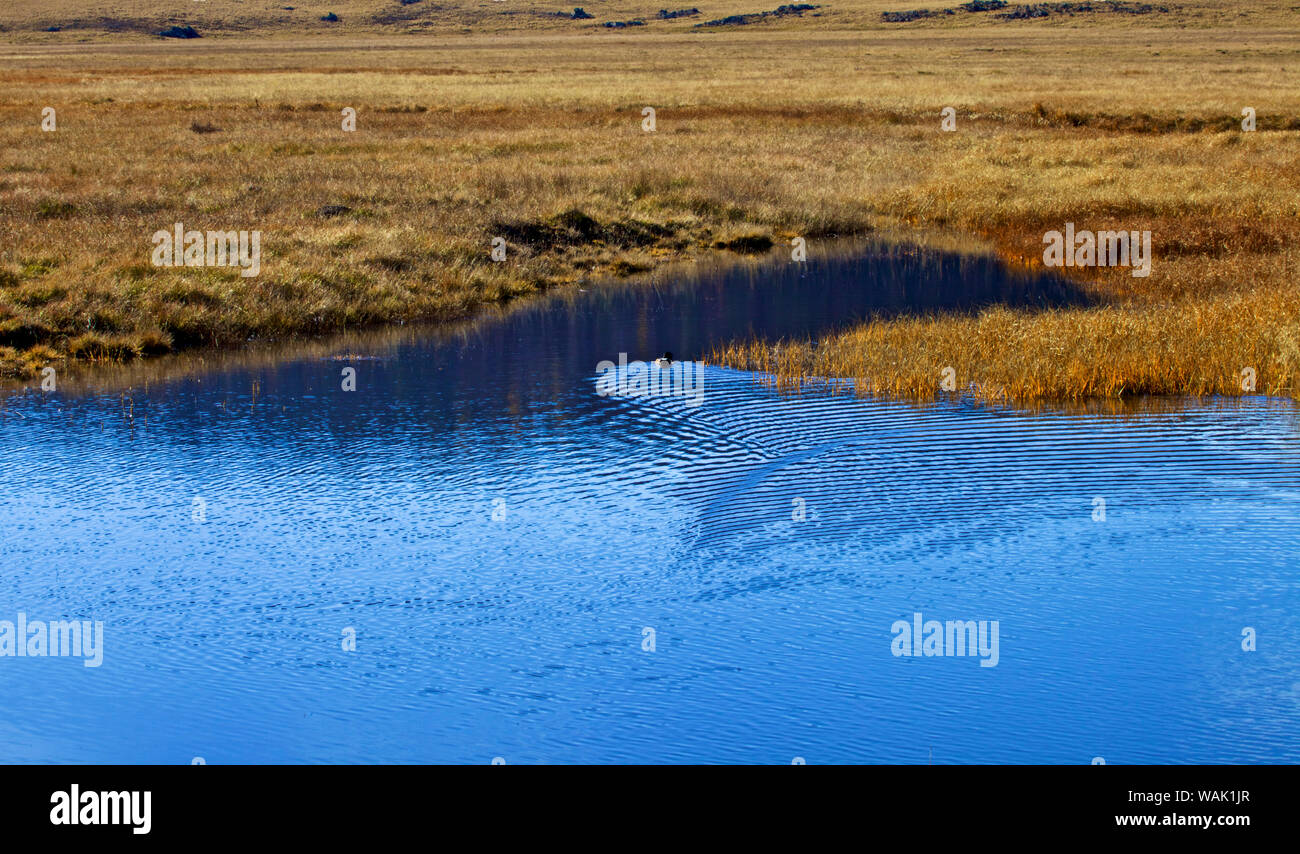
{"x": 499, "y": 119}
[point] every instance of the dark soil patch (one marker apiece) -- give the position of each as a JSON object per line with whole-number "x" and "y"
{"x": 1044, "y": 10}
{"x": 796, "y": 9}
{"x": 1027, "y": 11}
{"x": 748, "y": 244}
{"x": 576, "y": 228}
{"x": 185, "y": 32}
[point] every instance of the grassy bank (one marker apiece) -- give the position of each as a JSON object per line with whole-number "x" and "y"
{"x": 764, "y": 132}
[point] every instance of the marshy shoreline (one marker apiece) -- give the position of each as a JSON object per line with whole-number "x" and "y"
{"x": 532, "y": 141}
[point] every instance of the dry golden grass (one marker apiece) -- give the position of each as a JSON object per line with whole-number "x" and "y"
{"x": 1004, "y": 355}
{"x": 768, "y": 131}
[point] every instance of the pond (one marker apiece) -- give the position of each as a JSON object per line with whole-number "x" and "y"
{"x": 474, "y": 556}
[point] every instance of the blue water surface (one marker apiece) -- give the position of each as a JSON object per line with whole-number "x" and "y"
{"x": 541, "y": 574}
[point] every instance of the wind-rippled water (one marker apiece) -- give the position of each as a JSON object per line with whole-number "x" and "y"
{"x": 500, "y": 538}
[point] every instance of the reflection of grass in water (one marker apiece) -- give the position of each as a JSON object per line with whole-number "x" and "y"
{"x": 541, "y": 144}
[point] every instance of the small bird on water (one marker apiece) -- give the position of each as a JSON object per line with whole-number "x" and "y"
{"x": 664, "y": 361}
